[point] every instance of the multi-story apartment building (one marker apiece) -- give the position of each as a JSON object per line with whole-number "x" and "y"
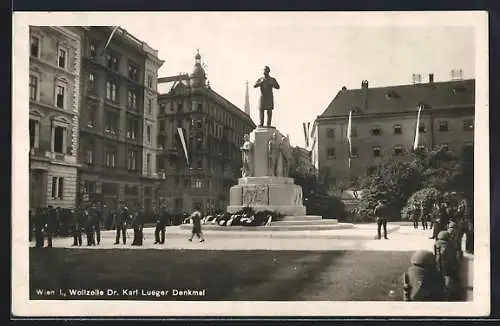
{"x": 118, "y": 119}
{"x": 54, "y": 103}
{"x": 214, "y": 130}
{"x": 384, "y": 124}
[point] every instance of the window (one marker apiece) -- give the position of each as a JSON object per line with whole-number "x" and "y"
{"x": 34, "y": 129}
{"x": 132, "y": 100}
{"x": 398, "y": 130}
{"x": 92, "y": 118}
{"x": 89, "y": 156}
{"x": 33, "y": 88}
{"x": 197, "y": 184}
{"x": 398, "y": 150}
{"x": 468, "y": 125}
{"x": 376, "y": 151}
{"x": 443, "y": 125}
{"x": 354, "y": 131}
{"x": 61, "y": 59}
{"x": 330, "y": 133}
{"x": 150, "y": 80}
{"x": 354, "y": 152}
{"x": 422, "y": 129}
{"x": 60, "y": 97}
{"x": 148, "y": 134}
{"x": 59, "y": 139}
{"x": 132, "y": 72}
{"x": 91, "y": 82}
{"x": 132, "y": 160}
{"x": 376, "y": 131}
{"x": 179, "y": 123}
{"x": 111, "y": 91}
{"x": 150, "y": 106}
{"x": 90, "y": 187}
{"x": 131, "y": 128}
{"x": 111, "y": 122}
{"x": 110, "y": 157}
{"x": 180, "y": 107}
{"x": 162, "y": 125}
{"x": 112, "y": 62}
{"x": 200, "y": 107}
{"x": 35, "y": 46}
{"x": 330, "y": 153}
{"x": 57, "y": 188}
{"x": 92, "y": 51}
{"x": 148, "y": 163}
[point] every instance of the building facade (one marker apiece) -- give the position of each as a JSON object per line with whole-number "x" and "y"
{"x": 384, "y": 124}
{"x": 118, "y": 119}
{"x": 54, "y": 90}
{"x": 213, "y": 129}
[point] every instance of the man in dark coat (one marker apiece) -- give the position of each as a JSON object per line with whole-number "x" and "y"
{"x": 380, "y": 212}
{"x": 196, "y": 221}
{"x": 51, "y": 225}
{"x": 422, "y": 281}
{"x": 161, "y": 219}
{"x": 76, "y": 226}
{"x": 438, "y": 219}
{"x": 39, "y": 225}
{"x": 445, "y": 253}
{"x": 138, "y": 225}
{"x": 122, "y": 219}
{"x": 95, "y": 215}
{"x": 89, "y": 226}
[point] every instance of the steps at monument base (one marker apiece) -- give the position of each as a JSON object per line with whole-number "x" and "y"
{"x": 302, "y": 218}
{"x": 273, "y": 227}
{"x": 306, "y": 222}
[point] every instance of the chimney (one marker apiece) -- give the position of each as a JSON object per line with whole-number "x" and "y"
{"x": 344, "y": 88}
{"x": 364, "y": 84}
{"x": 431, "y": 78}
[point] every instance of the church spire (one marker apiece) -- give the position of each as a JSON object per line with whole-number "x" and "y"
{"x": 247, "y": 100}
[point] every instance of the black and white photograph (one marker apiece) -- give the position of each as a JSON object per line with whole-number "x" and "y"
{"x": 250, "y": 163}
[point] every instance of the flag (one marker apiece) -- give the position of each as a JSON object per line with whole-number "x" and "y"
{"x": 415, "y": 143}
{"x": 349, "y": 127}
{"x": 305, "y": 134}
{"x": 183, "y": 141}
{"x": 109, "y": 39}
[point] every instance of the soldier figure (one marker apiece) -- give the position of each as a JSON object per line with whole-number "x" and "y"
{"x": 422, "y": 281}
{"x": 122, "y": 218}
{"x": 51, "y": 225}
{"x": 446, "y": 261}
{"x": 424, "y": 215}
{"x": 380, "y": 215}
{"x": 89, "y": 226}
{"x": 96, "y": 222}
{"x": 138, "y": 224}
{"x": 161, "y": 218}
{"x": 76, "y": 226}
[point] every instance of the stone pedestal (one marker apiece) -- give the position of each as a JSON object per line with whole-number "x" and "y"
{"x": 263, "y": 191}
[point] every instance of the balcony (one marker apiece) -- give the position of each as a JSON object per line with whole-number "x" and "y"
{"x": 60, "y": 157}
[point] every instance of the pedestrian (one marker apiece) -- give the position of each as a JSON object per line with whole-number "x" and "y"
{"x": 380, "y": 212}
{"x": 39, "y": 225}
{"x": 438, "y": 217}
{"x": 422, "y": 281}
{"x": 31, "y": 220}
{"x": 446, "y": 261}
{"x": 89, "y": 227}
{"x": 138, "y": 225}
{"x": 96, "y": 222}
{"x": 424, "y": 215}
{"x": 415, "y": 215}
{"x": 51, "y": 225}
{"x": 76, "y": 229}
{"x": 160, "y": 218}
{"x": 196, "y": 221}
{"x": 122, "y": 219}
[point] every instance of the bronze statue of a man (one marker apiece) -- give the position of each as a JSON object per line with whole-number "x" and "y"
{"x": 266, "y": 84}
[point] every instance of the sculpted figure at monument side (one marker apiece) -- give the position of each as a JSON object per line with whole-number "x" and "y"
{"x": 266, "y": 84}
{"x": 273, "y": 152}
{"x": 286, "y": 155}
{"x": 247, "y": 157}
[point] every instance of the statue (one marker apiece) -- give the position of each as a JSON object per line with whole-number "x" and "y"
{"x": 272, "y": 153}
{"x": 286, "y": 155}
{"x": 266, "y": 84}
{"x": 247, "y": 157}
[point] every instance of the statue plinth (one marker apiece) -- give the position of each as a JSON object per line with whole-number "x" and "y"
{"x": 267, "y": 188}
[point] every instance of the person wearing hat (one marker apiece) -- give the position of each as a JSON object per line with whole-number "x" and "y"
{"x": 446, "y": 261}
{"x": 422, "y": 281}
{"x": 196, "y": 221}
{"x": 380, "y": 215}
{"x": 161, "y": 221}
{"x": 122, "y": 218}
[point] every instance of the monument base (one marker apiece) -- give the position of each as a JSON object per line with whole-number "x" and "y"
{"x": 276, "y": 194}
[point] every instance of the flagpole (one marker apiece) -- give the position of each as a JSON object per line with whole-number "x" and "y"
{"x": 417, "y": 134}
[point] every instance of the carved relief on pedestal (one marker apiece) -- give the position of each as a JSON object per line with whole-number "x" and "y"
{"x": 257, "y": 195}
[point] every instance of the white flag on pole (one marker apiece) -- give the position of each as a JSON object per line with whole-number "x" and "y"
{"x": 109, "y": 39}
{"x": 349, "y": 127}
{"x": 183, "y": 141}
{"x": 417, "y": 134}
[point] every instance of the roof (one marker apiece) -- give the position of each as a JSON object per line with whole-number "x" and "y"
{"x": 401, "y": 98}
